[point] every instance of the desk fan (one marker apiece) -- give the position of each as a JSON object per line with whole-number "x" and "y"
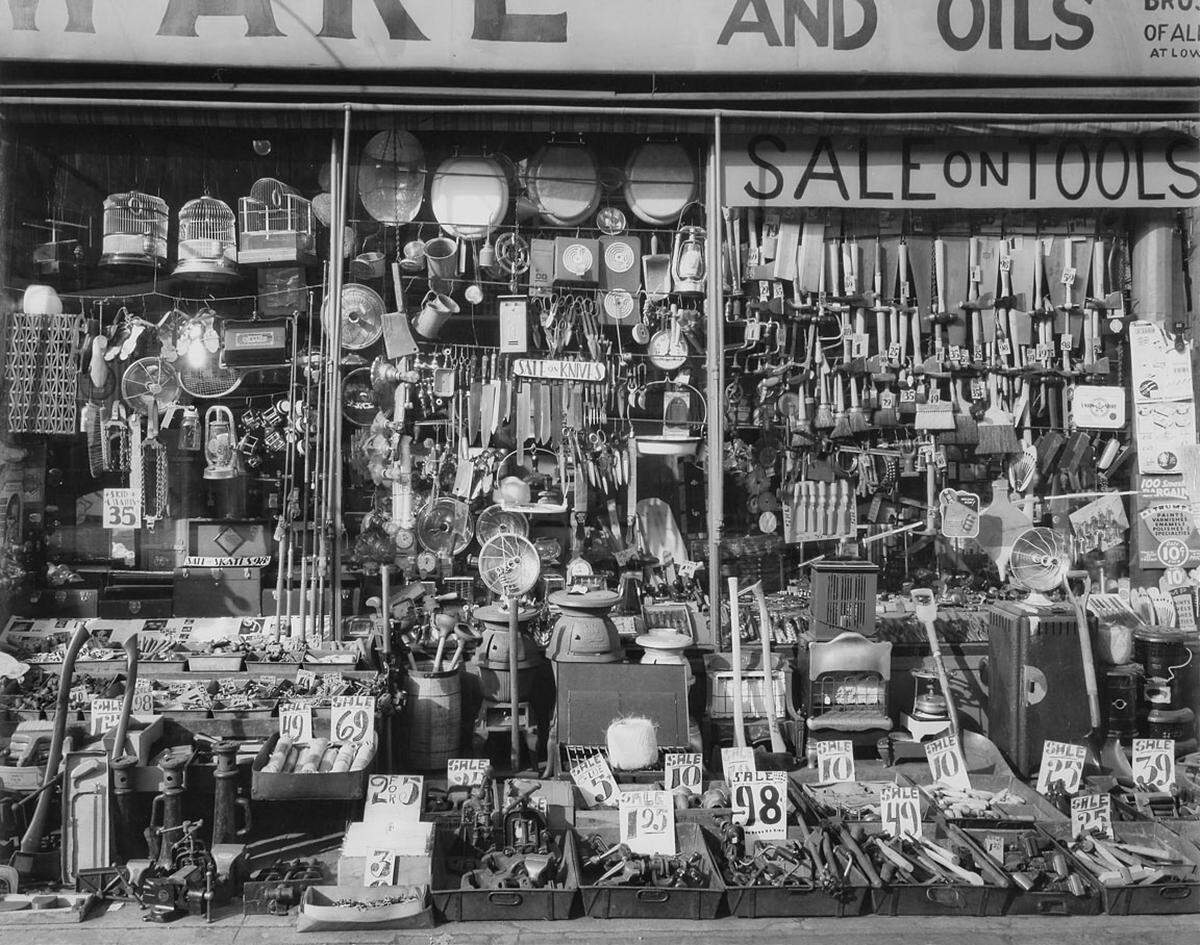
{"x": 149, "y": 386}
{"x": 444, "y": 528}
{"x": 509, "y": 566}
{"x": 497, "y": 520}
{"x": 1040, "y": 562}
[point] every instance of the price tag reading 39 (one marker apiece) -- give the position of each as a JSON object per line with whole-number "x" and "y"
{"x": 393, "y": 797}
{"x": 946, "y": 762}
{"x": 835, "y": 761}
{"x": 647, "y": 820}
{"x": 295, "y": 722}
{"x": 467, "y": 772}
{"x": 1062, "y": 763}
{"x": 352, "y": 719}
{"x": 1154, "y": 764}
{"x": 595, "y": 780}
{"x": 900, "y": 812}
{"x": 684, "y": 771}
{"x": 760, "y": 804}
{"x": 1091, "y": 814}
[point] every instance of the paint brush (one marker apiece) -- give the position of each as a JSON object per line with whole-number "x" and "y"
{"x": 996, "y": 433}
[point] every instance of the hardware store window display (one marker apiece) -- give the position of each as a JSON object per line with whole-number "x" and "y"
{"x": 373, "y": 468}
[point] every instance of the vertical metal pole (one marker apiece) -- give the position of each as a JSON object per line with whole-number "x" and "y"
{"x": 714, "y": 360}
{"x": 335, "y": 576}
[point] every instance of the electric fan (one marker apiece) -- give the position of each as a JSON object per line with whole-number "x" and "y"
{"x": 197, "y": 348}
{"x": 509, "y": 567}
{"x": 362, "y": 316}
{"x": 497, "y": 520}
{"x": 149, "y": 386}
{"x": 1040, "y": 561}
{"x": 444, "y": 527}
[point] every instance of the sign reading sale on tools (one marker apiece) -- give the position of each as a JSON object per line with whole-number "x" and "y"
{"x": 915, "y": 172}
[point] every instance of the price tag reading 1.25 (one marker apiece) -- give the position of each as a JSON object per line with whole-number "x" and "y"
{"x": 835, "y": 761}
{"x": 946, "y": 762}
{"x": 467, "y": 772}
{"x": 380, "y": 869}
{"x": 647, "y": 820}
{"x": 760, "y": 804}
{"x": 900, "y": 812}
{"x": 295, "y": 722}
{"x": 595, "y": 780}
{"x": 685, "y": 771}
{"x": 393, "y": 797}
{"x": 1062, "y": 764}
{"x": 352, "y": 719}
{"x": 1154, "y": 764}
{"x": 105, "y": 715}
{"x": 1091, "y": 814}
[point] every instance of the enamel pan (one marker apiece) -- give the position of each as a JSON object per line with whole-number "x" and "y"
{"x": 563, "y": 182}
{"x": 469, "y": 196}
{"x": 659, "y": 182}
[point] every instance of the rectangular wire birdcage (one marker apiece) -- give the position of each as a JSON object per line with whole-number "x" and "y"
{"x": 279, "y": 231}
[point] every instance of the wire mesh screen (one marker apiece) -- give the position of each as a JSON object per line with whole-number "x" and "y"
{"x": 41, "y": 374}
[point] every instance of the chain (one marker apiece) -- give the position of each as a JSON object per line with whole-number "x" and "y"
{"x": 155, "y": 498}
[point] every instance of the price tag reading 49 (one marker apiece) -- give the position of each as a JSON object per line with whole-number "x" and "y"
{"x": 352, "y": 719}
{"x": 647, "y": 820}
{"x": 760, "y": 803}
{"x": 835, "y": 761}
{"x": 900, "y": 812}
{"x": 1062, "y": 763}
{"x": 946, "y": 762}
{"x": 1091, "y": 814}
{"x": 684, "y": 771}
{"x": 295, "y": 722}
{"x": 1154, "y": 763}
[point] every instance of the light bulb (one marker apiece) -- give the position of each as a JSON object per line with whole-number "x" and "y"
{"x": 197, "y": 356}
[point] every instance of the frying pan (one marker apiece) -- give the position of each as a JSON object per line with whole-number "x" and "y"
{"x": 563, "y": 182}
{"x": 659, "y": 182}
{"x": 469, "y": 196}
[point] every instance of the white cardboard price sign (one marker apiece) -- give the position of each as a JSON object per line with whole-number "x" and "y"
{"x": 352, "y": 719}
{"x": 946, "y": 762}
{"x": 684, "y": 770}
{"x": 467, "y": 772}
{"x": 900, "y": 812}
{"x": 647, "y": 820}
{"x": 143, "y": 703}
{"x": 105, "y": 715}
{"x": 295, "y": 722}
{"x": 736, "y": 760}
{"x": 1091, "y": 814}
{"x": 595, "y": 779}
{"x": 381, "y": 868}
{"x": 121, "y": 508}
{"x": 1061, "y": 762}
{"x": 760, "y": 804}
{"x": 393, "y": 797}
{"x": 1154, "y": 763}
{"x": 835, "y": 761}
{"x": 306, "y": 679}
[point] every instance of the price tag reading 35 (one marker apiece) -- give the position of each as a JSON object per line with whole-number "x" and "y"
{"x": 352, "y": 719}
{"x": 946, "y": 762}
{"x": 835, "y": 761}
{"x": 1062, "y": 763}
{"x": 121, "y": 508}
{"x": 760, "y": 804}
{"x": 900, "y": 812}
{"x": 1091, "y": 814}
{"x": 595, "y": 780}
{"x": 1154, "y": 763}
{"x": 684, "y": 771}
{"x": 295, "y": 722}
{"x": 647, "y": 820}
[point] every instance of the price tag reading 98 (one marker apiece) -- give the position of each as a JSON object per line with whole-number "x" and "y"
{"x": 1154, "y": 764}
{"x": 760, "y": 804}
{"x": 835, "y": 761}
{"x": 684, "y": 771}
{"x": 1091, "y": 814}
{"x": 900, "y": 812}
{"x": 143, "y": 703}
{"x": 295, "y": 722}
{"x": 647, "y": 821}
{"x": 381, "y": 868}
{"x": 1062, "y": 764}
{"x": 352, "y": 719}
{"x": 394, "y": 797}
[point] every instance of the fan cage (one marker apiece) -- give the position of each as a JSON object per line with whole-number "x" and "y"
{"x": 135, "y": 228}
{"x": 207, "y": 236}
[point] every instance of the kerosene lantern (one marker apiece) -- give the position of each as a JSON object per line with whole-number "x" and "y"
{"x": 220, "y": 443}
{"x": 930, "y": 715}
{"x": 689, "y": 264}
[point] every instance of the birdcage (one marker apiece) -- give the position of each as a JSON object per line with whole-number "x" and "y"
{"x": 135, "y": 230}
{"x": 207, "y": 240}
{"x": 275, "y": 225}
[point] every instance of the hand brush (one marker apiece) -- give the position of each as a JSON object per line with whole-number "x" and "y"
{"x": 935, "y": 415}
{"x": 886, "y": 414}
{"x": 841, "y": 420}
{"x": 854, "y": 416}
{"x": 996, "y": 433}
{"x": 966, "y": 430}
{"x": 823, "y": 418}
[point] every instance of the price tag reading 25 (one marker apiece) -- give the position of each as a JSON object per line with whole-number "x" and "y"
{"x": 1062, "y": 763}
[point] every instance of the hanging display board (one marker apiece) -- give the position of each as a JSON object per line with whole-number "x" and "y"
{"x": 941, "y": 174}
{"x": 1076, "y": 39}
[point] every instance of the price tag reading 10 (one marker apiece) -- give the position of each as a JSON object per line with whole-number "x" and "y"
{"x": 1062, "y": 763}
{"x": 1154, "y": 763}
{"x": 352, "y": 719}
{"x": 394, "y": 796}
{"x": 684, "y": 771}
{"x": 760, "y": 804}
{"x": 835, "y": 761}
{"x": 900, "y": 812}
{"x": 946, "y": 762}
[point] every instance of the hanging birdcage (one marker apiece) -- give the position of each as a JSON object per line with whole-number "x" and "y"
{"x": 275, "y": 225}
{"x": 135, "y": 230}
{"x": 207, "y": 240}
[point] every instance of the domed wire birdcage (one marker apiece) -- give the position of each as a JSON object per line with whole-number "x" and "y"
{"x": 207, "y": 240}
{"x": 135, "y": 230}
{"x": 275, "y": 225}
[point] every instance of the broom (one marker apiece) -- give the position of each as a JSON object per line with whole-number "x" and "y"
{"x": 996, "y": 434}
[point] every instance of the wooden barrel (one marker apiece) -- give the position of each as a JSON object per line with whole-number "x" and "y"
{"x": 431, "y": 733}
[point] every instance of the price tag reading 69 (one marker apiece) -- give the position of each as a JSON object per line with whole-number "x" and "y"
{"x": 352, "y": 719}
